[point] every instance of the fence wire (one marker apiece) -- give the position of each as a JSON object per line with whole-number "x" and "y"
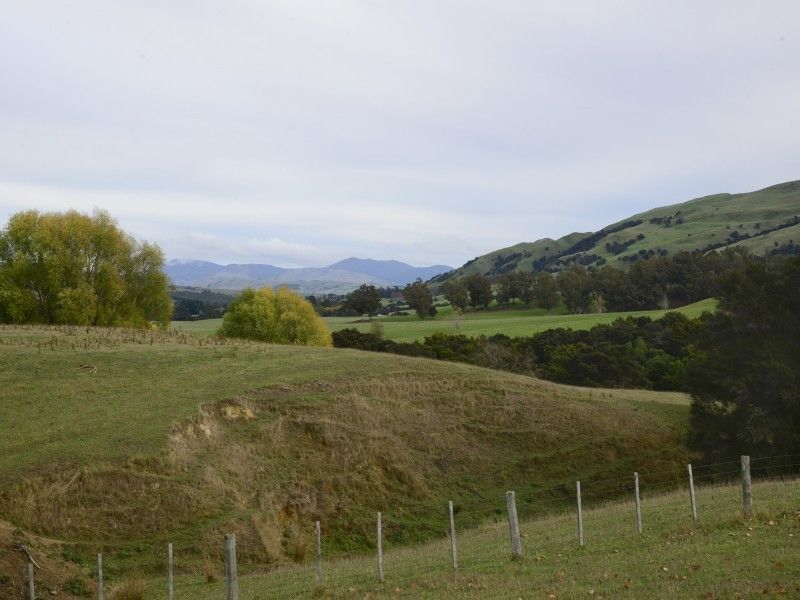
{"x": 558, "y": 502}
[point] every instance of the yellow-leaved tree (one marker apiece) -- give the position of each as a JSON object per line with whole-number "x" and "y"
{"x": 279, "y": 317}
{"x": 78, "y": 269}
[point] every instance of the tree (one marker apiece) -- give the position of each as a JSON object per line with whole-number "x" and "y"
{"x": 456, "y": 293}
{"x": 745, "y": 384}
{"x": 419, "y": 298}
{"x": 575, "y": 287}
{"x": 525, "y": 282}
{"x": 480, "y": 290}
{"x": 278, "y": 317}
{"x": 509, "y": 287}
{"x": 545, "y": 290}
{"x": 365, "y": 300}
{"x": 72, "y": 268}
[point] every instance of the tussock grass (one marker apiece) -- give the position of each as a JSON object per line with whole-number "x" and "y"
{"x": 132, "y": 589}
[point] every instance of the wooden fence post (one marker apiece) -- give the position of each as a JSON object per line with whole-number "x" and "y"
{"x": 691, "y": 494}
{"x": 747, "y": 488}
{"x": 513, "y": 525}
{"x": 318, "y": 535}
{"x": 101, "y": 594}
{"x": 170, "y": 573}
{"x": 638, "y": 503}
{"x": 380, "y": 549}
{"x": 453, "y": 550}
{"x": 580, "y": 512}
{"x": 231, "y": 574}
{"x": 31, "y": 585}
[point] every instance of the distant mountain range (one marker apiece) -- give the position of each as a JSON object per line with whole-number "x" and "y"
{"x": 762, "y": 221}
{"x": 338, "y": 278}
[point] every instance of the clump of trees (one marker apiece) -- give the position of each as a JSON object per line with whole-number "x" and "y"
{"x": 365, "y": 300}
{"x": 516, "y": 285}
{"x": 480, "y": 290}
{"x": 654, "y": 282}
{"x": 277, "y": 317}
{"x": 629, "y": 353}
{"x": 78, "y": 269}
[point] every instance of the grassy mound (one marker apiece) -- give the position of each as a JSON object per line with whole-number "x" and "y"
{"x": 124, "y": 440}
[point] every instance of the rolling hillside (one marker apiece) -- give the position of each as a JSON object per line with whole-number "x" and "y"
{"x": 758, "y": 221}
{"x": 123, "y": 440}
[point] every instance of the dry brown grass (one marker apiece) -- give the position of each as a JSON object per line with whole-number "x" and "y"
{"x": 285, "y": 456}
{"x": 53, "y": 575}
{"x": 132, "y": 589}
{"x": 211, "y": 570}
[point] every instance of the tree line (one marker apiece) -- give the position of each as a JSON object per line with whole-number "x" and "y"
{"x": 651, "y": 283}
{"x": 656, "y": 282}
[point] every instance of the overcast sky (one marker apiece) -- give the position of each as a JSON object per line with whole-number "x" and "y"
{"x": 298, "y": 133}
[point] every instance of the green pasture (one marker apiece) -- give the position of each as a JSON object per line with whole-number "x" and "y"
{"x": 519, "y": 322}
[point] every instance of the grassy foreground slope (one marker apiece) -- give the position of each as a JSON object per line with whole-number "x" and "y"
{"x": 124, "y": 440}
{"x": 509, "y": 322}
{"x": 762, "y": 218}
{"x": 723, "y": 556}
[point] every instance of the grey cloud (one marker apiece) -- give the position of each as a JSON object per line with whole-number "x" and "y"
{"x": 429, "y": 132}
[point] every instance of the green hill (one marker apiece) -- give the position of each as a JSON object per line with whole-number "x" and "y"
{"x": 124, "y": 440}
{"x": 759, "y": 221}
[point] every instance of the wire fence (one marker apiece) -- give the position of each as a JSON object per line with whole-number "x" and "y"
{"x": 634, "y": 490}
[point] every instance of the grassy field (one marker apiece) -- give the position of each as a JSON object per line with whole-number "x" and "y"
{"x": 121, "y": 440}
{"x": 509, "y": 322}
{"x": 723, "y": 556}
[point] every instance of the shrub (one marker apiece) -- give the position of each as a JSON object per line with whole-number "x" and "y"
{"x": 278, "y": 317}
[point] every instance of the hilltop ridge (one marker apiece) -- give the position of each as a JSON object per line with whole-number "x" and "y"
{"x": 337, "y": 278}
{"x": 761, "y": 221}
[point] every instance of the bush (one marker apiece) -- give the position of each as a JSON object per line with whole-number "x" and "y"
{"x": 630, "y": 353}
{"x": 278, "y": 317}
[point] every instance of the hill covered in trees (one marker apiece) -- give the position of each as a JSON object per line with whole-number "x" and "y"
{"x": 766, "y": 220}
